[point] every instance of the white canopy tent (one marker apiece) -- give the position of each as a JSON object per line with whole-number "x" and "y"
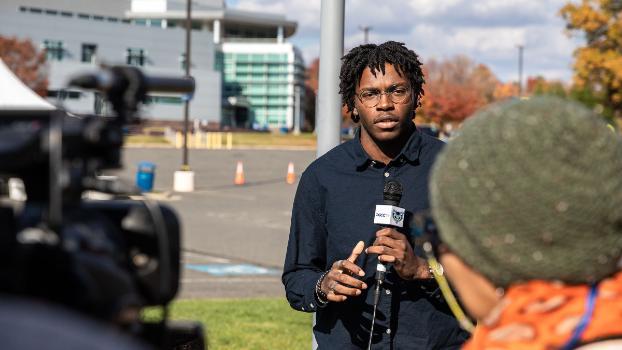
{"x": 15, "y": 95}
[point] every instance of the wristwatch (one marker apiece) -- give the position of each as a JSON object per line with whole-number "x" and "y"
{"x": 439, "y": 270}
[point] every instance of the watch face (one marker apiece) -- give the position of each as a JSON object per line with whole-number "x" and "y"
{"x": 439, "y": 270}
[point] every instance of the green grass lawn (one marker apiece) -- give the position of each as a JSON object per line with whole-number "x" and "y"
{"x": 246, "y": 324}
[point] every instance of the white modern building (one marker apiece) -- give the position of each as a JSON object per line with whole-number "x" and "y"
{"x": 246, "y": 73}
{"x": 262, "y": 73}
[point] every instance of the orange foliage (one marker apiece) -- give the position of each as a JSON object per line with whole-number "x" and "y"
{"x": 598, "y": 64}
{"x": 25, "y": 62}
{"x": 456, "y": 88}
{"x": 313, "y": 71}
{"x": 506, "y": 90}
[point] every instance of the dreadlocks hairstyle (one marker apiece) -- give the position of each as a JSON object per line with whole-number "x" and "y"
{"x": 375, "y": 57}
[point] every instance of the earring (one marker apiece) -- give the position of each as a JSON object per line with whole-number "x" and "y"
{"x": 355, "y": 116}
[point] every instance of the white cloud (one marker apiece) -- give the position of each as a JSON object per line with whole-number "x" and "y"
{"x": 488, "y": 31}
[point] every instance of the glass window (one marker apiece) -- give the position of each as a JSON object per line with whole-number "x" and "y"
{"x": 259, "y": 68}
{"x": 273, "y": 57}
{"x": 88, "y": 52}
{"x": 54, "y": 49}
{"x": 172, "y": 100}
{"x": 136, "y": 57}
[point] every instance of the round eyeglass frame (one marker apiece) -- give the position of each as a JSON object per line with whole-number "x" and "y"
{"x": 375, "y": 100}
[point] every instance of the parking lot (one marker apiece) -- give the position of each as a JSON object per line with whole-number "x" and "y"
{"x": 234, "y": 237}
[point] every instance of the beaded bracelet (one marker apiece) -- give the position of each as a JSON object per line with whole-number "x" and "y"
{"x": 321, "y": 297}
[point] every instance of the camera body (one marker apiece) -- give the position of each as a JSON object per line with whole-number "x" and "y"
{"x": 105, "y": 259}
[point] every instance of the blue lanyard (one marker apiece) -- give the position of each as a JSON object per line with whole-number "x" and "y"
{"x": 585, "y": 319}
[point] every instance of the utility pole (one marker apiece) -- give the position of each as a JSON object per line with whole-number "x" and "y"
{"x": 328, "y": 113}
{"x": 520, "y": 70}
{"x": 365, "y": 30}
{"x": 297, "y": 108}
{"x": 186, "y": 166}
{"x": 183, "y": 179}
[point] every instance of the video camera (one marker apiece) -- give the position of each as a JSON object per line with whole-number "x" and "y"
{"x": 105, "y": 259}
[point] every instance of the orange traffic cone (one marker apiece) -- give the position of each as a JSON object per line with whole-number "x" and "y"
{"x": 239, "y": 174}
{"x": 291, "y": 176}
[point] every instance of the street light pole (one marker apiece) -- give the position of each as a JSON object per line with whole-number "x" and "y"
{"x": 185, "y": 165}
{"x": 365, "y": 30}
{"x": 328, "y": 113}
{"x": 520, "y": 70}
{"x": 297, "y": 109}
{"x": 183, "y": 179}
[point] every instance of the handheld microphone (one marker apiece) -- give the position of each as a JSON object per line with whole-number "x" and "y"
{"x": 389, "y": 214}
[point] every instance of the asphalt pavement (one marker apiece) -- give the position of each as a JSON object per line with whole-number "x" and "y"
{"x": 234, "y": 237}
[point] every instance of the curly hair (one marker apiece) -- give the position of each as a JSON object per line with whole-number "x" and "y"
{"x": 375, "y": 57}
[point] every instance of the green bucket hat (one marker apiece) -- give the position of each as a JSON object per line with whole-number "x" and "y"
{"x": 532, "y": 190}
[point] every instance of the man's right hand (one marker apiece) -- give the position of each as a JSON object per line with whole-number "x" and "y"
{"x": 340, "y": 283}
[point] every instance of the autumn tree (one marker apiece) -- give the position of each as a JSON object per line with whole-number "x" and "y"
{"x": 311, "y": 86}
{"x": 26, "y": 62}
{"x": 456, "y": 88}
{"x": 598, "y": 64}
{"x": 540, "y": 86}
{"x": 505, "y": 90}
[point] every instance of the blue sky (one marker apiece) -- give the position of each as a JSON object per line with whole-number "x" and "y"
{"x": 487, "y": 31}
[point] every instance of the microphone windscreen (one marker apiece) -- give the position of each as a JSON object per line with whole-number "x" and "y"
{"x": 392, "y": 193}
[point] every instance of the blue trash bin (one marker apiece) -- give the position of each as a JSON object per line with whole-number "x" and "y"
{"x": 145, "y": 176}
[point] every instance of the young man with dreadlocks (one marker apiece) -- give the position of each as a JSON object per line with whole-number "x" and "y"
{"x": 334, "y": 245}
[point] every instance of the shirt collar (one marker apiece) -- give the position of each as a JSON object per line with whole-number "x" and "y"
{"x": 410, "y": 151}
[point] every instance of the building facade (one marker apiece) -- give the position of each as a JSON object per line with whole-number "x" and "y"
{"x": 246, "y": 74}
{"x": 262, "y": 74}
{"x": 80, "y": 35}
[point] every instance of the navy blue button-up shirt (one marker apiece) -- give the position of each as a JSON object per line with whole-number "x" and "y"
{"x": 333, "y": 210}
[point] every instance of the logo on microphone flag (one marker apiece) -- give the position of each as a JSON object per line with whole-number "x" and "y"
{"x": 389, "y": 215}
{"x": 398, "y": 217}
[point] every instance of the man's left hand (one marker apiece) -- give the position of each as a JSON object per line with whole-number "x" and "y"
{"x": 393, "y": 247}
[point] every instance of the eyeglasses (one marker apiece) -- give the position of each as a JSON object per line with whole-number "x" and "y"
{"x": 397, "y": 94}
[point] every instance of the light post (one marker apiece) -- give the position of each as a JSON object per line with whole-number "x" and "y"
{"x": 365, "y": 30}
{"x": 520, "y": 70}
{"x": 183, "y": 180}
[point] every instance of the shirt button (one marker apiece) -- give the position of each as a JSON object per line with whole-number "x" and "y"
{"x": 386, "y": 174}
{"x": 388, "y": 331}
{"x": 311, "y": 305}
{"x": 387, "y": 291}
